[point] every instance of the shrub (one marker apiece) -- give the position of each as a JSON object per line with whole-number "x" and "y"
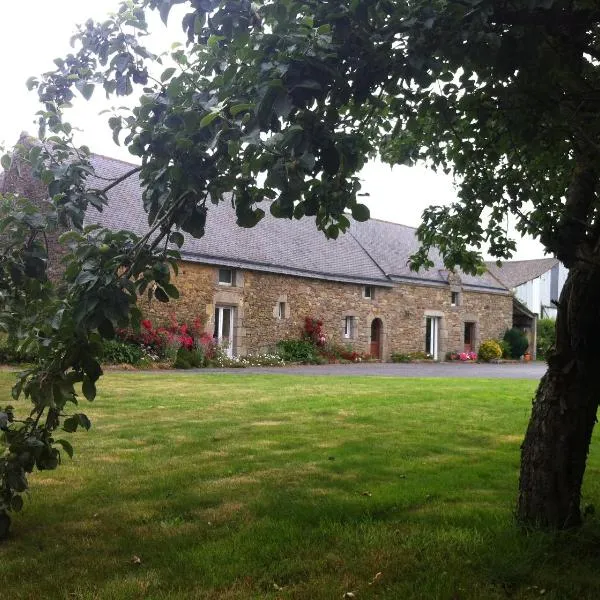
{"x": 10, "y": 354}
{"x": 162, "y": 341}
{"x": 335, "y": 353}
{"x": 115, "y": 352}
{"x": 302, "y": 351}
{"x": 251, "y": 360}
{"x": 263, "y": 360}
{"x": 189, "y": 358}
{"x": 402, "y": 357}
{"x": 546, "y": 336}
{"x": 505, "y": 347}
{"x": 313, "y": 331}
{"x": 517, "y": 341}
{"x": 490, "y": 350}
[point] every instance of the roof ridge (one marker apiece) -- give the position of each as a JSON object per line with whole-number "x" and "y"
{"x": 132, "y": 164}
{"x": 514, "y": 262}
{"x": 392, "y": 223}
{"x": 369, "y": 254}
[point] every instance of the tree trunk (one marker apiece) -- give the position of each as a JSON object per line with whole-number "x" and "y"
{"x": 556, "y": 444}
{"x": 4, "y": 526}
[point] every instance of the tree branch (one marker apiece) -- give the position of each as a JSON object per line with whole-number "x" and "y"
{"x": 120, "y": 179}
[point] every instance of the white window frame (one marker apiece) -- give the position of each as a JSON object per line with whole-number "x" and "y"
{"x": 368, "y": 292}
{"x": 229, "y": 283}
{"x": 349, "y": 327}
{"x": 226, "y": 343}
{"x": 432, "y": 326}
{"x": 452, "y": 296}
{"x": 281, "y": 309}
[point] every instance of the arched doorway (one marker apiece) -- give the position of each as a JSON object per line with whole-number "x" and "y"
{"x": 376, "y": 338}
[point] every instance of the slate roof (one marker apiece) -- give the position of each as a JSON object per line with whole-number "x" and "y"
{"x": 516, "y": 272}
{"x": 391, "y": 245}
{"x": 370, "y": 253}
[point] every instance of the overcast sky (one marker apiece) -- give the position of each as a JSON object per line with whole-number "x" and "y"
{"x": 34, "y": 32}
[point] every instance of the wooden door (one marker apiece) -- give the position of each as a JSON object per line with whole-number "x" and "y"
{"x": 469, "y": 340}
{"x": 376, "y": 327}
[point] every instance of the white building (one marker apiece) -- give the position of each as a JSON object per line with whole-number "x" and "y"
{"x": 536, "y": 283}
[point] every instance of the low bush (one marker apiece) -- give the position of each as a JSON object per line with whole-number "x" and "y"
{"x": 402, "y": 357}
{"x": 115, "y": 352}
{"x": 490, "y": 350}
{"x": 505, "y": 347}
{"x": 333, "y": 353}
{"x": 546, "y": 336}
{"x": 251, "y": 360}
{"x": 517, "y": 342}
{"x": 10, "y": 355}
{"x": 300, "y": 351}
{"x": 187, "y": 358}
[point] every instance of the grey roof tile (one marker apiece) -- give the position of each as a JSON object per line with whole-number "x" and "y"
{"x": 513, "y": 273}
{"x": 275, "y": 245}
{"x": 392, "y": 244}
{"x": 374, "y": 252}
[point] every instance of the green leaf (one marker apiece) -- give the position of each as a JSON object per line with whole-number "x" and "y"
{"x": 88, "y": 387}
{"x": 171, "y": 290}
{"x": 360, "y": 212}
{"x": 6, "y": 161}
{"x": 70, "y": 424}
{"x": 160, "y": 294}
{"x": 87, "y": 89}
{"x": 238, "y": 108}
{"x": 333, "y": 232}
{"x": 85, "y": 277}
{"x": 17, "y": 389}
{"x": 164, "y": 9}
{"x": 106, "y": 329}
{"x": 16, "y": 503}
{"x": 208, "y": 119}
{"x": 66, "y": 447}
{"x": 331, "y": 160}
{"x": 177, "y": 238}
{"x": 167, "y": 74}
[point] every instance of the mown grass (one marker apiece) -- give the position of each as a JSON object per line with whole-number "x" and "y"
{"x": 242, "y": 486}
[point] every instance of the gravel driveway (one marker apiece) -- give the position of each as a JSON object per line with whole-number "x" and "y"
{"x": 533, "y": 370}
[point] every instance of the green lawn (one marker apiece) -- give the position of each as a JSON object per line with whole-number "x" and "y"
{"x": 240, "y": 487}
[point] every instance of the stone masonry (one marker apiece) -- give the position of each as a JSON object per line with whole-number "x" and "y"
{"x": 403, "y": 308}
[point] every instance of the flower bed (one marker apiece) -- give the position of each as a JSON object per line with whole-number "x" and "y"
{"x": 462, "y": 356}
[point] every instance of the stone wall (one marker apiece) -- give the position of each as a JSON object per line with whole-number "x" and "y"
{"x": 20, "y": 180}
{"x": 403, "y": 310}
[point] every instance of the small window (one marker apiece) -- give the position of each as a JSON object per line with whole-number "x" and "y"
{"x": 281, "y": 310}
{"x": 349, "y": 327}
{"x": 454, "y": 298}
{"x": 225, "y": 277}
{"x": 368, "y": 292}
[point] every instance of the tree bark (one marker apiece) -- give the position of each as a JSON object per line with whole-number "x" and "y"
{"x": 556, "y": 444}
{"x": 4, "y": 526}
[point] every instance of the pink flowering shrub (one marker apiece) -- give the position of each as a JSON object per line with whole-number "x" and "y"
{"x": 313, "y": 331}
{"x": 158, "y": 339}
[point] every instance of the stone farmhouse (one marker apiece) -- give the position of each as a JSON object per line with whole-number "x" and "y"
{"x": 254, "y": 287}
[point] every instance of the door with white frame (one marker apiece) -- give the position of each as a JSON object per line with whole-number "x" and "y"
{"x": 223, "y": 332}
{"x": 432, "y": 336}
